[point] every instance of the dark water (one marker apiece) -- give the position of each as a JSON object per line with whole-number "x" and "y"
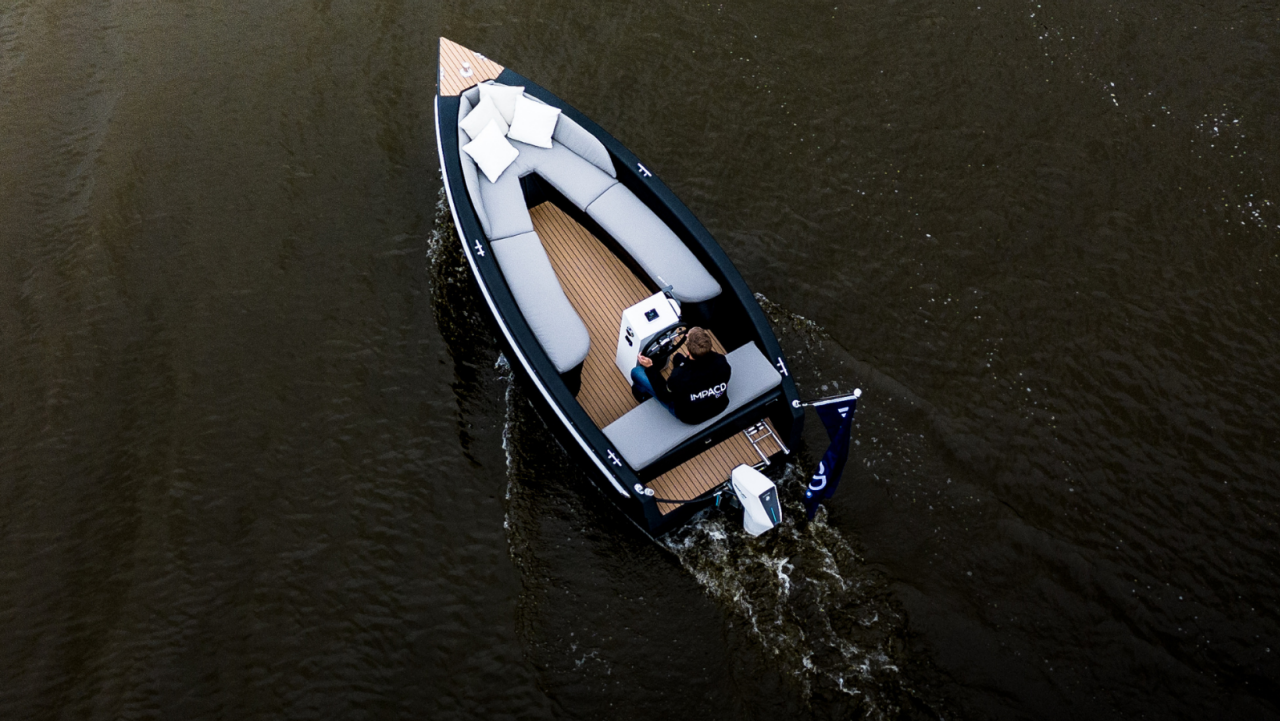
{"x": 260, "y": 456}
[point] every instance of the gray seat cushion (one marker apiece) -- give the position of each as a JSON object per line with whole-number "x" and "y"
{"x": 501, "y": 207}
{"x": 649, "y": 431}
{"x": 576, "y": 138}
{"x": 542, "y": 301}
{"x": 469, "y": 170}
{"x": 652, "y": 244}
{"x": 579, "y": 181}
{"x": 504, "y": 206}
{"x": 577, "y": 165}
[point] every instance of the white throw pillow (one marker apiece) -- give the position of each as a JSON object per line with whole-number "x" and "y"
{"x": 503, "y": 96}
{"x": 477, "y": 120}
{"x": 534, "y": 122}
{"x": 491, "y": 151}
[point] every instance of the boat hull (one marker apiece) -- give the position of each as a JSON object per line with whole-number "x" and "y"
{"x": 572, "y": 426}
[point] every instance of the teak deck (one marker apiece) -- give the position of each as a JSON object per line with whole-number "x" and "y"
{"x": 709, "y": 469}
{"x": 452, "y": 56}
{"x": 600, "y": 286}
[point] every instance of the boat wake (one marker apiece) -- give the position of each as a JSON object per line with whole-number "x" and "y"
{"x": 815, "y": 610}
{"x": 803, "y": 592}
{"x": 802, "y": 589}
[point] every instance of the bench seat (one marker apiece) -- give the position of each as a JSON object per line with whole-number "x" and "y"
{"x": 578, "y": 180}
{"x": 649, "y": 241}
{"x": 649, "y": 431}
{"x": 504, "y": 206}
{"x": 579, "y": 167}
{"x": 550, "y": 315}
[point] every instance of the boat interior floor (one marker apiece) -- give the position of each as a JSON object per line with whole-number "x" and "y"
{"x": 600, "y": 286}
{"x": 710, "y": 468}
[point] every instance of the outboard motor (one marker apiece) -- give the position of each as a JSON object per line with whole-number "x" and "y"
{"x": 759, "y": 498}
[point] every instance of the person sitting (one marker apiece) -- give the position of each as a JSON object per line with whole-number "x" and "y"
{"x": 698, "y": 389}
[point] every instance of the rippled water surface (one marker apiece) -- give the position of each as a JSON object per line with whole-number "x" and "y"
{"x": 261, "y": 456}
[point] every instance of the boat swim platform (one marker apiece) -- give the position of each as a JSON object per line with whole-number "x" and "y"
{"x": 460, "y": 68}
{"x": 599, "y": 287}
{"x": 710, "y": 468}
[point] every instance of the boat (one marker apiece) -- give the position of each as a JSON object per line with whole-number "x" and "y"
{"x": 585, "y": 258}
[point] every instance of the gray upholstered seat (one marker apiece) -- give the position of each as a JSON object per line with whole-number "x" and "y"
{"x": 542, "y": 301}
{"x": 576, "y": 138}
{"x": 578, "y": 165}
{"x": 470, "y": 173}
{"x": 504, "y": 206}
{"x": 648, "y": 240}
{"x": 648, "y": 431}
{"x": 567, "y": 132}
{"x": 578, "y": 180}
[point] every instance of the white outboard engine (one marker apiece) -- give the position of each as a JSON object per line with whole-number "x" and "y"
{"x": 759, "y": 498}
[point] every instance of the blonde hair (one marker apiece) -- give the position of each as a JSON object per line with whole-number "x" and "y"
{"x": 699, "y": 342}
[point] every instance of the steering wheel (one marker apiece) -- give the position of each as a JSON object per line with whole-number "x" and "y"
{"x": 664, "y": 344}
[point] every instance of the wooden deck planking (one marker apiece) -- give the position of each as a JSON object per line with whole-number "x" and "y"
{"x": 600, "y": 287}
{"x": 708, "y": 469}
{"x": 451, "y": 58}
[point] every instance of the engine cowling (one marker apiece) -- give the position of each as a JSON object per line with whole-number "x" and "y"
{"x": 759, "y": 498}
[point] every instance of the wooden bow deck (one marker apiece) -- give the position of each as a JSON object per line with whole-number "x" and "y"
{"x": 460, "y": 68}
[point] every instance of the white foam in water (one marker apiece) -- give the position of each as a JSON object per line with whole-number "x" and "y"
{"x": 815, "y": 606}
{"x": 807, "y": 598}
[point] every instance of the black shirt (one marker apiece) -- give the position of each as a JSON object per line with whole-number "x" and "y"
{"x": 698, "y": 388}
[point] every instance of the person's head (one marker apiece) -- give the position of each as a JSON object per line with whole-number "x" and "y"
{"x": 699, "y": 342}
